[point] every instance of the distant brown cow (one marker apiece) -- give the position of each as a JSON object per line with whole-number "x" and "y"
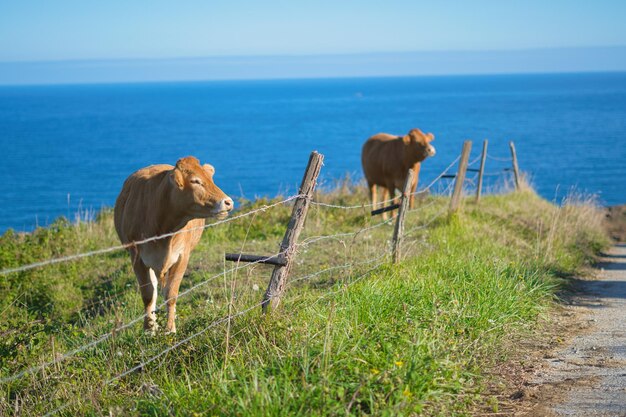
{"x": 161, "y": 199}
{"x": 386, "y": 160}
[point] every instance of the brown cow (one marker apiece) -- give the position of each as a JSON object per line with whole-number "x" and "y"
{"x": 161, "y": 199}
{"x": 386, "y": 160}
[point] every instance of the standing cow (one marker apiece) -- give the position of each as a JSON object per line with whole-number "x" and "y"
{"x": 158, "y": 200}
{"x": 386, "y": 160}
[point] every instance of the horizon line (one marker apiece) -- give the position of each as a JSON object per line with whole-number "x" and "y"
{"x": 308, "y": 55}
{"x": 289, "y": 67}
{"x": 297, "y": 78}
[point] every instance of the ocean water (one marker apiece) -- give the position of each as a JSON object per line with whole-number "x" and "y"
{"x": 69, "y": 148}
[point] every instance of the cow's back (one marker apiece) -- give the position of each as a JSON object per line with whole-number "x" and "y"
{"x": 134, "y": 208}
{"x": 381, "y": 157}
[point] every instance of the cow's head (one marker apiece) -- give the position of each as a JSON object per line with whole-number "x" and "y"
{"x": 420, "y": 143}
{"x": 195, "y": 192}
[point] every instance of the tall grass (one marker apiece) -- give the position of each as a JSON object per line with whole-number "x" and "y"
{"x": 367, "y": 338}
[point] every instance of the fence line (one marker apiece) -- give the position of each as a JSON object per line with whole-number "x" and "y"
{"x": 442, "y": 192}
{"x": 423, "y": 190}
{"x": 106, "y": 336}
{"x": 305, "y": 243}
{"x": 499, "y": 158}
{"x": 211, "y": 325}
{"x": 74, "y": 257}
{"x": 141, "y": 242}
{"x": 474, "y": 160}
{"x": 337, "y": 206}
{"x": 314, "y": 239}
{"x": 116, "y": 330}
{"x": 494, "y": 173}
{"x": 429, "y": 222}
{"x": 233, "y": 316}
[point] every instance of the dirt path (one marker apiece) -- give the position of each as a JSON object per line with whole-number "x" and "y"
{"x": 586, "y": 376}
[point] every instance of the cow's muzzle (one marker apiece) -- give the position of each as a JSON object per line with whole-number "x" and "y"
{"x": 222, "y": 208}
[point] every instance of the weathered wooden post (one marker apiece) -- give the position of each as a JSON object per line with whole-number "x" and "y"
{"x": 515, "y": 167}
{"x": 481, "y": 171}
{"x": 460, "y": 177}
{"x": 398, "y": 230}
{"x": 296, "y": 223}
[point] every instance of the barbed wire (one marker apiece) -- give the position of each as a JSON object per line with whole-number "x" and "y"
{"x": 428, "y": 223}
{"x": 474, "y": 160}
{"x": 501, "y": 159}
{"x": 494, "y": 173}
{"x": 305, "y": 243}
{"x": 105, "y": 336}
{"x": 215, "y": 323}
{"x": 472, "y": 180}
{"x": 219, "y": 321}
{"x": 364, "y": 205}
{"x": 141, "y": 242}
{"x": 338, "y": 206}
{"x": 438, "y": 177}
{"x": 314, "y": 239}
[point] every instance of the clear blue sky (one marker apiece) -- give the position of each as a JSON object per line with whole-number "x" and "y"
{"x": 82, "y": 29}
{"x": 49, "y": 41}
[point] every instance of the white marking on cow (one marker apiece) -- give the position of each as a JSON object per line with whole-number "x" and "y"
{"x": 152, "y": 306}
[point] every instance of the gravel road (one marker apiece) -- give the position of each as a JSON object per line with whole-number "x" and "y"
{"x": 588, "y": 372}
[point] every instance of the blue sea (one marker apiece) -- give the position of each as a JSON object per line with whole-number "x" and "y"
{"x": 68, "y": 148}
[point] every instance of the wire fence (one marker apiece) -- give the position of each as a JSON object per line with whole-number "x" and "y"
{"x": 237, "y": 314}
{"x": 362, "y": 231}
{"x": 499, "y": 159}
{"x": 77, "y": 256}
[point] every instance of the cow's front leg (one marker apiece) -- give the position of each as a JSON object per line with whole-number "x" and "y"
{"x": 170, "y": 290}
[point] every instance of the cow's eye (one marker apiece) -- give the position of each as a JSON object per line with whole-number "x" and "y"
{"x": 196, "y": 181}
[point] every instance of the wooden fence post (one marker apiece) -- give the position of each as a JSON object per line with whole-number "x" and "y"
{"x": 481, "y": 171}
{"x": 515, "y": 167}
{"x": 398, "y": 230}
{"x": 277, "y": 283}
{"x": 460, "y": 177}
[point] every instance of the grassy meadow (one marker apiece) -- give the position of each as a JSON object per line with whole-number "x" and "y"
{"x": 353, "y": 335}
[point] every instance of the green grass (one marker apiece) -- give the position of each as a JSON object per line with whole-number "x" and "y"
{"x": 368, "y": 338}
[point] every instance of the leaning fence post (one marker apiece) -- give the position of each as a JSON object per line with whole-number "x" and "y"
{"x": 515, "y": 167}
{"x": 460, "y": 177}
{"x": 481, "y": 170}
{"x": 296, "y": 223}
{"x": 398, "y": 230}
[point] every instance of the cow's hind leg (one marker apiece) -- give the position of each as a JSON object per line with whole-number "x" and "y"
{"x": 373, "y": 196}
{"x": 147, "y": 281}
{"x": 170, "y": 291}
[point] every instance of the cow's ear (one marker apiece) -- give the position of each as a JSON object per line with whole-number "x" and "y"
{"x": 208, "y": 168}
{"x": 177, "y": 179}
{"x": 414, "y": 135}
{"x": 430, "y": 137}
